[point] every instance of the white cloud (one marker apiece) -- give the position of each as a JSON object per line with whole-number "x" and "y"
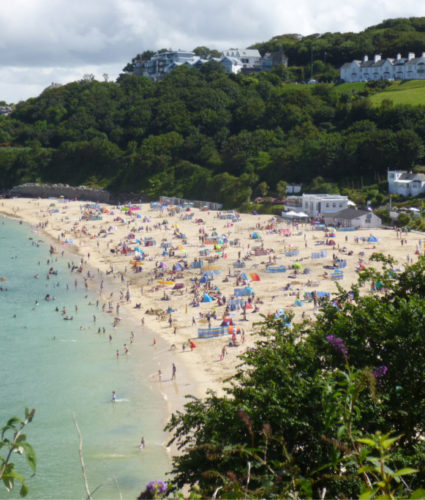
{"x": 57, "y": 40}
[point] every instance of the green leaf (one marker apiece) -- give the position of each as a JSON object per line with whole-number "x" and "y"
{"x": 367, "y": 441}
{"x": 418, "y": 494}
{"x": 24, "y": 490}
{"x": 366, "y": 468}
{"x": 341, "y": 431}
{"x": 368, "y": 494}
{"x": 388, "y": 442}
{"x": 405, "y": 471}
{"x": 30, "y": 455}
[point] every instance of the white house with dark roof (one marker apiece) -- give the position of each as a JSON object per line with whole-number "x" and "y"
{"x": 350, "y": 217}
{"x": 248, "y": 57}
{"x": 405, "y": 183}
{"x": 410, "y": 68}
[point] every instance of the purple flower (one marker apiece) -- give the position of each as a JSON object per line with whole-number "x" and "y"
{"x": 157, "y": 487}
{"x": 338, "y": 345}
{"x": 380, "y": 371}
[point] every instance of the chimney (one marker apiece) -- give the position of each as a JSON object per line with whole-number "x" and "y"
{"x": 410, "y": 56}
{"x": 398, "y": 57}
{"x": 377, "y": 58}
{"x": 365, "y": 59}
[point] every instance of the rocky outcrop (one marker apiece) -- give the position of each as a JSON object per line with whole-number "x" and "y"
{"x": 34, "y": 190}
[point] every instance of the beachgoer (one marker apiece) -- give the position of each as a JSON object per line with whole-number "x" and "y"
{"x": 142, "y": 443}
{"x": 114, "y": 396}
{"x": 174, "y": 370}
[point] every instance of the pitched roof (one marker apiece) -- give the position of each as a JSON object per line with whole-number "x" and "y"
{"x": 411, "y": 176}
{"x": 241, "y": 53}
{"x": 348, "y": 213}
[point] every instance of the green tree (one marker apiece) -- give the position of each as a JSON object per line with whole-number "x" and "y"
{"x": 14, "y": 442}
{"x": 281, "y": 188}
{"x": 263, "y": 188}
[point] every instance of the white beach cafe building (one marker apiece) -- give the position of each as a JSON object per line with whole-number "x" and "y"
{"x": 336, "y": 210}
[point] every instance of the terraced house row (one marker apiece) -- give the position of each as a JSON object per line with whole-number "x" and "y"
{"x": 400, "y": 68}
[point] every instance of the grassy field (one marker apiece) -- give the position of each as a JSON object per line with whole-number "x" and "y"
{"x": 402, "y": 92}
{"x": 348, "y": 88}
{"x": 399, "y": 92}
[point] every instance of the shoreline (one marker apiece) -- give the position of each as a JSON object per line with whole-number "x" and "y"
{"x": 98, "y": 243}
{"x": 172, "y": 402}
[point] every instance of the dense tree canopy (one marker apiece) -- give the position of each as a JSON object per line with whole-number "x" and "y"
{"x": 387, "y": 38}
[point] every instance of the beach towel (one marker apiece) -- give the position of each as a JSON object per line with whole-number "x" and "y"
{"x": 278, "y": 269}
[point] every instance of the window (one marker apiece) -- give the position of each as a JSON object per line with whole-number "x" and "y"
{"x": 334, "y": 205}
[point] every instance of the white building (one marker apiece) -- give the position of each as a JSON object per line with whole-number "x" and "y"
{"x": 410, "y": 68}
{"x": 350, "y": 217}
{"x": 405, "y": 183}
{"x": 163, "y": 63}
{"x": 233, "y": 60}
{"x": 316, "y": 205}
{"x": 244, "y": 59}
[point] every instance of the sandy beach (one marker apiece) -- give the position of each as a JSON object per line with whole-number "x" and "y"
{"x": 156, "y": 260}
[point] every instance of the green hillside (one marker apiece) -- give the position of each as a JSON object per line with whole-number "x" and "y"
{"x": 402, "y": 92}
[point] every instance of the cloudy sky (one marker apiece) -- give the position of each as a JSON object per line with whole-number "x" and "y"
{"x": 45, "y": 41}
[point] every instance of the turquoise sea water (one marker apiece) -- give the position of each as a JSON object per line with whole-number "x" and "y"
{"x": 62, "y": 368}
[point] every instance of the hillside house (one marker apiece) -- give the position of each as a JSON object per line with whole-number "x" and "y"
{"x": 5, "y": 110}
{"x": 163, "y": 63}
{"x": 234, "y": 61}
{"x": 410, "y": 68}
{"x": 405, "y": 183}
{"x": 245, "y": 59}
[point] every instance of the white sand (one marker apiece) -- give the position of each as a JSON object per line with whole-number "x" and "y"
{"x": 206, "y": 369}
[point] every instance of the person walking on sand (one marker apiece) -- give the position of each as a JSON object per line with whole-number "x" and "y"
{"x": 174, "y": 371}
